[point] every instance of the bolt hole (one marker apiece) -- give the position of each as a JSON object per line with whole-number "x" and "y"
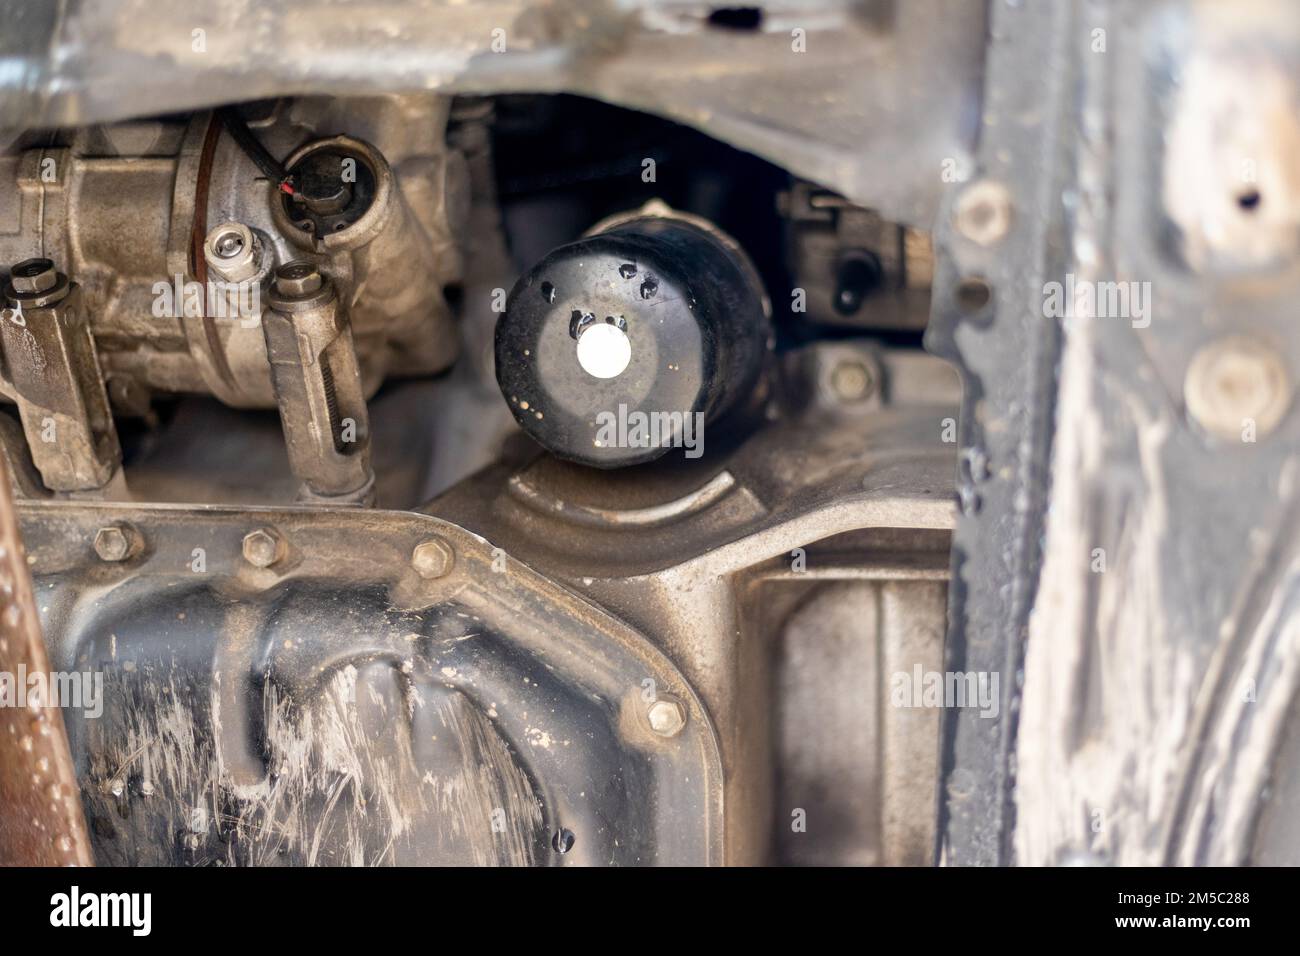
{"x": 736, "y": 18}
{"x": 1248, "y": 200}
{"x": 973, "y": 295}
{"x": 859, "y": 274}
{"x": 579, "y": 320}
{"x": 562, "y": 841}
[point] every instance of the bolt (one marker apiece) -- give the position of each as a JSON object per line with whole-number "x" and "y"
{"x": 229, "y": 245}
{"x": 852, "y": 380}
{"x": 263, "y": 547}
{"x": 114, "y": 542}
{"x": 667, "y": 717}
{"x": 432, "y": 558}
{"x": 34, "y": 276}
{"x": 232, "y": 253}
{"x": 297, "y": 278}
{"x": 1236, "y": 382}
{"x": 983, "y": 212}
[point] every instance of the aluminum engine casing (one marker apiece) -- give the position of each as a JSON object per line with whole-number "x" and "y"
{"x": 113, "y": 206}
{"x": 348, "y": 704}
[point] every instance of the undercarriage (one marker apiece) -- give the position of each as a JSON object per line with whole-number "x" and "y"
{"x": 534, "y": 434}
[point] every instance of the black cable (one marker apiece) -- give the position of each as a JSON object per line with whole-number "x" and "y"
{"x": 271, "y": 167}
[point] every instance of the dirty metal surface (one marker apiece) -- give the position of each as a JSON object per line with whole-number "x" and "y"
{"x": 1159, "y": 688}
{"x": 870, "y": 99}
{"x": 1006, "y": 352}
{"x": 121, "y": 208}
{"x": 361, "y": 699}
{"x": 682, "y": 554}
{"x": 42, "y": 822}
{"x": 1145, "y": 624}
{"x": 863, "y": 771}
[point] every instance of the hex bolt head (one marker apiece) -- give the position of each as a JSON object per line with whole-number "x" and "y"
{"x": 982, "y": 212}
{"x": 34, "y": 276}
{"x": 232, "y": 252}
{"x": 263, "y": 547}
{"x": 297, "y": 278}
{"x": 851, "y": 380}
{"x": 1236, "y": 383}
{"x": 115, "y": 542}
{"x": 666, "y": 717}
{"x": 432, "y": 558}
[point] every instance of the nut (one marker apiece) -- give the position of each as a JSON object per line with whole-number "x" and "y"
{"x": 666, "y": 717}
{"x": 983, "y": 212}
{"x": 1234, "y": 384}
{"x": 34, "y": 276}
{"x": 432, "y": 558}
{"x": 297, "y": 278}
{"x": 114, "y": 542}
{"x": 263, "y": 547}
{"x": 231, "y": 252}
